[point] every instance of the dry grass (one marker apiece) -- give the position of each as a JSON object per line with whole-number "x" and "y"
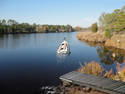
{"x": 98, "y": 37}
{"x": 117, "y": 40}
{"x": 92, "y": 68}
{"x": 96, "y": 69}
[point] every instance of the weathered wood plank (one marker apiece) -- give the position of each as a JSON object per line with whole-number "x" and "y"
{"x": 100, "y": 83}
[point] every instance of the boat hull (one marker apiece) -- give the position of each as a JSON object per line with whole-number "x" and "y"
{"x": 63, "y": 49}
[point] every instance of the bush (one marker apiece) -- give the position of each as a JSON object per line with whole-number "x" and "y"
{"x": 94, "y": 27}
{"x": 108, "y": 33}
{"x": 92, "y": 67}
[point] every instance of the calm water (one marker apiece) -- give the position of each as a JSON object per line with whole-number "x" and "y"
{"x": 28, "y": 61}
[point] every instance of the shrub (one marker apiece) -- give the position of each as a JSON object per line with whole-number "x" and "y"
{"x": 92, "y": 68}
{"x": 97, "y": 69}
{"x": 108, "y": 33}
{"x": 94, "y": 27}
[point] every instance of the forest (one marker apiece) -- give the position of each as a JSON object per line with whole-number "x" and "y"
{"x": 12, "y": 26}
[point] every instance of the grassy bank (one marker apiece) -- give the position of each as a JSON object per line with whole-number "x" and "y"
{"x": 117, "y": 40}
{"x": 92, "y": 37}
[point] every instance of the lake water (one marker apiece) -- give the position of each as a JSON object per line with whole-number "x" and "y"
{"x": 29, "y": 61}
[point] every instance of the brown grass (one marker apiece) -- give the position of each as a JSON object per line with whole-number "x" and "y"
{"x": 96, "y": 69}
{"x": 92, "y": 68}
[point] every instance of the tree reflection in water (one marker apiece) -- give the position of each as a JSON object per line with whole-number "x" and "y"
{"x": 109, "y": 56}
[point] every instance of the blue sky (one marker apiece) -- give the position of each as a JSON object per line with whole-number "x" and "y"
{"x": 74, "y": 12}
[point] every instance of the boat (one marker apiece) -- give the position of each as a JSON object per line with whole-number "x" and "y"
{"x": 63, "y": 48}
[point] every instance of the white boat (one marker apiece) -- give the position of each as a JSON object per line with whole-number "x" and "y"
{"x": 63, "y": 48}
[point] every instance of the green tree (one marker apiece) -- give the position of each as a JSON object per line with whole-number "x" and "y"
{"x": 94, "y": 27}
{"x": 108, "y": 33}
{"x": 114, "y": 21}
{"x": 11, "y": 26}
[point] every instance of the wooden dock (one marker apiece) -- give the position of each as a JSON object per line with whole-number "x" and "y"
{"x": 100, "y": 83}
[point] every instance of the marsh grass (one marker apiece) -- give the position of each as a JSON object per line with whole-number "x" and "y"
{"x": 92, "y": 68}
{"x": 97, "y": 69}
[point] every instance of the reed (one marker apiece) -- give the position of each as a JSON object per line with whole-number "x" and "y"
{"x": 97, "y": 69}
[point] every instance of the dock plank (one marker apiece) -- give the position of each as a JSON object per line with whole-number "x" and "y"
{"x": 100, "y": 83}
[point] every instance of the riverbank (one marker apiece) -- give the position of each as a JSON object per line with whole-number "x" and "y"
{"x": 117, "y": 40}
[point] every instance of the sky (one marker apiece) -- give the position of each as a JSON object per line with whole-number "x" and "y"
{"x": 73, "y": 12}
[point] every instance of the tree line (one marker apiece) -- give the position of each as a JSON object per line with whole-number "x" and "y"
{"x": 111, "y": 22}
{"x": 114, "y": 21}
{"x": 12, "y": 26}
{"x": 54, "y": 28}
{"x": 78, "y": 28}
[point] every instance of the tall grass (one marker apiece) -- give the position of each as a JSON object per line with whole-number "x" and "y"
{"x": 97, "y": 69}
{"x": 92, "y": 68}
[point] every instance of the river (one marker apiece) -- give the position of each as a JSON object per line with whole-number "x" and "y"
{"x": 29, "y": 61}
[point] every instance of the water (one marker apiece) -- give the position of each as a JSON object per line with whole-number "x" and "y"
{"x": 28, "y": 61}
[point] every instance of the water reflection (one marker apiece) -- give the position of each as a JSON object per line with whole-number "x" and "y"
{"x": 108, "y": 55}
{"x": 60, "y": 57}
{"x": 12, "y": 40}
{"x": 112, "y": 60}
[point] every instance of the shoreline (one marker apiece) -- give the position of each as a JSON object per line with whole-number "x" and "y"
{"x": 116, "y": 41}
{"x": 34, "y": 32}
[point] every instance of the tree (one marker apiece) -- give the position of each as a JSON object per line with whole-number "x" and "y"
{"x": 114, "y": 21}
{"x": 11, "y": 26}
{"x": 123, "y": 9}
{"x": 3, "y": 22}
{"x": 102, "y": 22}
{"x": 108, "y": 33}
{"x": 94, "y": 27}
